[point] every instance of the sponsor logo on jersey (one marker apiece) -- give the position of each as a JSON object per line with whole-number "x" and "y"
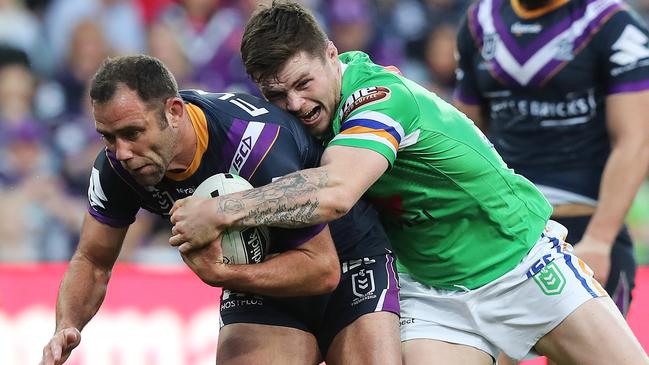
{"x": 630, "y": 47}
{"x": 576, "y": 108}
{"x": 232, "y": 299}
{"x": 363, "y": 97}
{"x": 96, "y": 195}
{"x": 363, "y": 286}
{"x": 519, "y": 28}
{"x": 185, "y": 191}
{"x": 246, "y": 144}
{"x": 254, "y": 244}
{"x": 352, "y": 264}
{"x": 240, "y": 156}
{"x": 406, "y": 320}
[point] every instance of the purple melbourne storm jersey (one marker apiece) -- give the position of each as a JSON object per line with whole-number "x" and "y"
{"x": 242, "y": 135}
{"x": 543, "y": 81}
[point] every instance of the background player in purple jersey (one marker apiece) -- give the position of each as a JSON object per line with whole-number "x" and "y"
{"x": 309, "y": 301}
{"x": 562, "y": 87}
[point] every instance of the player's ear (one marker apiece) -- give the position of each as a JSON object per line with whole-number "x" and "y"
{"x": 331, "y": 51}
{"x": 175, "y": 110}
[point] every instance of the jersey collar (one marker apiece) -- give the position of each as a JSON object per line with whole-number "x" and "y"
{"x": 531, "y": 14}
{"x": 197, "y": 116}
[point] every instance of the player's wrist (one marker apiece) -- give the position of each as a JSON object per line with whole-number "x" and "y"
{"x": 596, "y": 244}
{"x": 217, "y": 215}
{"x": 600, "y": 237}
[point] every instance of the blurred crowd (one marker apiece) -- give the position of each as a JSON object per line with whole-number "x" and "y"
{"x": 50, "y": 49}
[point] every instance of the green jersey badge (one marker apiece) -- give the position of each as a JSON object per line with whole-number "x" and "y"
{"x": 550, "y": 279}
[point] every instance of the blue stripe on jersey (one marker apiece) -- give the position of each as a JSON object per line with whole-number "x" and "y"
{"x": 372, "y": 124}
{"x": 572, "y": 267}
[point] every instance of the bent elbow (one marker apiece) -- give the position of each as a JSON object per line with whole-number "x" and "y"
{"x": 208, "y": 278}
{"x": 330, "y": 276}
{"x": 331, "y": 282}
{"x": 338, "y": 203}
{"x": 210, "y": 282}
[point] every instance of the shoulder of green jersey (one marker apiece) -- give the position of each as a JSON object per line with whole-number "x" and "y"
{"x": 372, "y": 125}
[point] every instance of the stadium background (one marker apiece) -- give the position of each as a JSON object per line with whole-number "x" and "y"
{"x": 156, "y": 312}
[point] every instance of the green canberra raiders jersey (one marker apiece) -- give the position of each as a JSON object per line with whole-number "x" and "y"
{"x": 456, "y": 215}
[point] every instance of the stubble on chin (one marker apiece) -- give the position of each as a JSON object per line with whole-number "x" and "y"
{"x": 149, "y": 180}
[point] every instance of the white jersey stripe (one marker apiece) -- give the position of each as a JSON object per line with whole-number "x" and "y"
{"x": 381, "y": 118}
{"x": 523, "y": 73}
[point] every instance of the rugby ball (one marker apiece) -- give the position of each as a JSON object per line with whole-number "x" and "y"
{"x": 246, "y": 246}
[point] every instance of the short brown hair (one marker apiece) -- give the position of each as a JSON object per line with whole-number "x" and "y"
{"x": 276, "y": 33}
{"x": 146, "y": 75}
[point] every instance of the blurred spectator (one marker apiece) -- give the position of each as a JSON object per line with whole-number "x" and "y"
{"x": 37, "y": 221}
{"x": 210, "y": 35}
{"x": 151, "y": 9}
{"x": 165, "y": 45}
{"x": 350, "y": 24}
{"x": 440, "y": 60}
{"x": 351, "y": 27}
{"x": 22, "y": 29}
{"x": 642, "y": 7}
{"x": 119, "y": 20}
{"x": 87, "y": 49}
{"x": 17, "y": 86}
{"x": 413, "y": 20}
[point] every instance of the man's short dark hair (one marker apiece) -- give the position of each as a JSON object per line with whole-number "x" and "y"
{"x": 276, "y": 33}
{"x": 13, "y": 56}
{"x": 146, "y": 75}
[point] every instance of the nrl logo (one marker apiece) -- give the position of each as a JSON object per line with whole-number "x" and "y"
{"x": 489, "y": 43}
{"x": 365, "y": 96}
{"x": 550, "y": 279}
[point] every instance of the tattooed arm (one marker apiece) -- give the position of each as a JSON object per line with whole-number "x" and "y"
{"x": 299, "y": 199}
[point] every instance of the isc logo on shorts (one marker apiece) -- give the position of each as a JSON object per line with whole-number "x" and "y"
{"x": 539, "y": 265}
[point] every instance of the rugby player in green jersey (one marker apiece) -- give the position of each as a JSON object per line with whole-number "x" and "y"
{"x": 562, "y": 89}
{"x": 481, "y": 267}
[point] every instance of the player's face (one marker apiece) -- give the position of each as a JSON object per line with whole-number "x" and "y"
{"x": 309, "y": 88}
{"x": 142, "y": 142}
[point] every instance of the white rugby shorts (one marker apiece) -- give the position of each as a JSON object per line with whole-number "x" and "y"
{"x": 512, "y": 312}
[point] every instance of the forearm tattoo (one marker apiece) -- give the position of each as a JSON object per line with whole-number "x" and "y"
{"x": 290, "y": 201}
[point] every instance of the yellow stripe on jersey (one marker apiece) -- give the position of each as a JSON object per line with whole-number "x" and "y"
{"x": 197, "y": 116}
{"x": 531, "y": 14}
{"x": 366, "y": 137}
